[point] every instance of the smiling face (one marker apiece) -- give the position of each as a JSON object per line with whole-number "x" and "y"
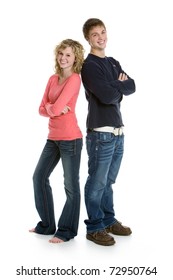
{"x": 66, "y": 58}
{"x": 97, "y": 38}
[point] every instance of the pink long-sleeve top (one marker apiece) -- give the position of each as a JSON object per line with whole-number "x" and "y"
{"x": 55, "y": 98}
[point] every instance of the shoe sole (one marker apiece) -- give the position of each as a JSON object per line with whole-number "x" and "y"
{"x": 107, "y": 243}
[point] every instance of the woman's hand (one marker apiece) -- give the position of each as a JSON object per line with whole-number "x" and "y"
{"x": 65, "y": 110}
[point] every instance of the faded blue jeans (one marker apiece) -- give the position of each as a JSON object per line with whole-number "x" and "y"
{"x": 105, "y": 152}
{"x": 70, "y": 154}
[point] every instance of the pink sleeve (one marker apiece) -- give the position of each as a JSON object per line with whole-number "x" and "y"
{"x": 71, "y": 89}
{"x": 45, "y": 100}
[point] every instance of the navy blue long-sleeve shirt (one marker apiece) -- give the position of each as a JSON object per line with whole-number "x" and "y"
{"x": 104, "y": 92}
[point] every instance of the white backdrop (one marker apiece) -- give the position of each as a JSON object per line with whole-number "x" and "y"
{"x": 139, "y": 36}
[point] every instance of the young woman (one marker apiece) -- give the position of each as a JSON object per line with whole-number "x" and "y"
{"x": 64, "y": 142}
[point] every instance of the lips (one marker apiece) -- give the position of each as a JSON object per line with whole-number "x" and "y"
{"x": 63, "y": 63}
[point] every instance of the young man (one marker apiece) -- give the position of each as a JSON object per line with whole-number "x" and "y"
{"x": 105, "y": 84}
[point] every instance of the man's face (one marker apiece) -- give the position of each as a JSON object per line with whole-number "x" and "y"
{"x": 98, "y": 37}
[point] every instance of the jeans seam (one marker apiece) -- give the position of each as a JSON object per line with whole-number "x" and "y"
{"x": 44, "y": 190}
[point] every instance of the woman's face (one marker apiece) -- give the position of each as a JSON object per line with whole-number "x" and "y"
{"x": 66, "y": 58}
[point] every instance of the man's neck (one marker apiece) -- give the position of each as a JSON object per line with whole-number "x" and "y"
{"x": 100, "y": 53}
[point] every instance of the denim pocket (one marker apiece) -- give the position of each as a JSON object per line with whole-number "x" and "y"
{"x": 105, "y": 137}
{"x": 71, "y": 147}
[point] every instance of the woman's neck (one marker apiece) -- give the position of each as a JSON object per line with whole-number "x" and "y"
{"x": 64, "y": 75}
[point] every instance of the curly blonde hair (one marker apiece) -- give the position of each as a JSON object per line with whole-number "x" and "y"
{"x": 78, "y": 52}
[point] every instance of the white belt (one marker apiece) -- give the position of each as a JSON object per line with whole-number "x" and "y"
{"x": 116, "y": 131}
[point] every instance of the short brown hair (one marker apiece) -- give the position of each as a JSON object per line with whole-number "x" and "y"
{"x": 89, "y": 24}
{"x": 78, "y": 52}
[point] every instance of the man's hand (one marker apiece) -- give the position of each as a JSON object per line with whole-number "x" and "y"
{"x": 122, "y": 77}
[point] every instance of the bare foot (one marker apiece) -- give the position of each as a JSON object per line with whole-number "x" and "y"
{"x": 56, "y": 240}
{"x": 32, "y": 230}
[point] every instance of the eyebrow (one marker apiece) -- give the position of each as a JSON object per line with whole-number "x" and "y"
{"x": 95, "y": 32}
{"x": 66, "y": 53}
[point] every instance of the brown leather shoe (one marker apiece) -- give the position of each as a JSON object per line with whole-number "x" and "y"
{"x": 101, "y": 238}
{"x": 118, "y": 229}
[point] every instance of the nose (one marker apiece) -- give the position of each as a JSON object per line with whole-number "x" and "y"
{"x": 63, "y": 56}
{"x": 101, "y": 36}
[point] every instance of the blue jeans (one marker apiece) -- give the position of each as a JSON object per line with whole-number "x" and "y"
{"x": 70, "y": 154}
{"x": 105, "y": 152}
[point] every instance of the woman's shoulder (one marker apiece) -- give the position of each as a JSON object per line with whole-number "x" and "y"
{"x": 53, "y": 77}
{"x": 75, "y": 76}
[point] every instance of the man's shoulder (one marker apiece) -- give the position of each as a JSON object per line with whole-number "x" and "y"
{"x": 89, "y": 62}
{"x": 112, "y": 59}
{"x": 90, "y": 58}
{"x": 93, "y": 60}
